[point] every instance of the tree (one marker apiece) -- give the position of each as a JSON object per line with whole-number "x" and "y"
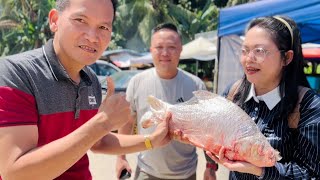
{"x": 23, "y": 25}
{"x": 238, "y": 2}
{"x": 220, "y": 3}
{"x": 141, "y": 16}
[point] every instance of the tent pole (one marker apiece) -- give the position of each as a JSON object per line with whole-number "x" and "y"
{"x": 197, "y": 67}
{"x": 216, "y": 67}
{"x": 215, "y": 76}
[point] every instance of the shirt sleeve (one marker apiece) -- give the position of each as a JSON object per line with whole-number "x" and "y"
{"x": 130, "y": 94}
{"x": 306, "y": 145}
{"x": 17, "y": 102}
{"x": 16, "y": 107}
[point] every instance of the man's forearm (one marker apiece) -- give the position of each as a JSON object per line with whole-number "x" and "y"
{"x": 119, "y": 144}
{"x": 111, "y": 144}
{"x": 127, "y": 129}
{"x": 51, "y": 160}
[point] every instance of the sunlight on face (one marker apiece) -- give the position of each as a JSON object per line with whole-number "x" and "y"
{"x": 83, "y": 31}
{"x": 263, "y": 67}
{"x": 165, "y": 49}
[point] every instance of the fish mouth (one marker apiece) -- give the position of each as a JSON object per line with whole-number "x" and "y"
{"x": 274, "y": 156}
{"x": 277, "y": 155}
{"x": 147, "y": 123}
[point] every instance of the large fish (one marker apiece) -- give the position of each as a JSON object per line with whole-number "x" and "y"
{"x": 210, "y": 121}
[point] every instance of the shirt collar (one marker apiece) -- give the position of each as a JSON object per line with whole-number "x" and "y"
{"x": 271, "y": 98}
{"x": 57, "y": 70}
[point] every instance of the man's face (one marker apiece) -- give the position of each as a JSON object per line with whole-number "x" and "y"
{"x": 82, "y": 30}
{"x": 165, "y": 49}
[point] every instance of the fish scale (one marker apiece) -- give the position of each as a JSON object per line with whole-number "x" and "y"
{"x": 211, "y": 121}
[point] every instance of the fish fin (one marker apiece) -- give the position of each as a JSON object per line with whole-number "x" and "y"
{"x": 158, "y": 111}
{"x": 149, "y": 119}
{"x": 191, "y": 101}
{"x": 204, "y": 95}
{"x": 156, "y": 104}
{"x": 195, "y": 143}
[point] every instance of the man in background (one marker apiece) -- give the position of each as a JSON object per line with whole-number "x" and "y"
{"x": 170, "y": 84}
{"x": 51, "y": 108}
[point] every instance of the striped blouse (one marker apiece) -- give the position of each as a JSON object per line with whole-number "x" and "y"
{"x": 299, "y": 148}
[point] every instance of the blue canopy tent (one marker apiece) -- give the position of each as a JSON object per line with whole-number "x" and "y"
{"x": 233, "y": 21}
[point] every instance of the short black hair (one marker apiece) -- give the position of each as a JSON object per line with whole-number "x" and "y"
{"x": 169, "y": 26}
{"x": 165, "y": 26}
{"x": 62, "y": 4}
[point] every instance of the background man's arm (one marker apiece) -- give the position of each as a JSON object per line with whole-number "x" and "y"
{"x": 122, "y": 162}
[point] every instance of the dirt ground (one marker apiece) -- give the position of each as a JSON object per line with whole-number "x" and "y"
{"x": 103, "y": 166}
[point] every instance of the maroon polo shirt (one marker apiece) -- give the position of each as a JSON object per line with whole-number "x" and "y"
{"x": 36, "y": 90}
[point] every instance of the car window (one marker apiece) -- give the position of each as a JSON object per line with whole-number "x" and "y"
{"x": 106, "y": 70}
{"x": 94, "y": 67}
{"x": 103, "y": 69}
{"x": 122, "y": 79}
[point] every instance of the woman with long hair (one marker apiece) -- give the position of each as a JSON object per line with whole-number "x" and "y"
{"x": 272, "y": 61}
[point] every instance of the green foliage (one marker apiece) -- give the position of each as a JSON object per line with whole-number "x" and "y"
{"x": 202, "y": 20}
{"x": 220, "y": 3}
{"x": 116, "y": 39}
{"x": 238, "y": 2}
{"x": 23, "y": 25}
{"x": 135, "y": 19}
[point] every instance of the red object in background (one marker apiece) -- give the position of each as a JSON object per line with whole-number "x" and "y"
{"x": 311, "y": 53}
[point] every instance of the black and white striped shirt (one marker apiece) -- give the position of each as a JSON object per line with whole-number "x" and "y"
{"x": 299, "y": 148}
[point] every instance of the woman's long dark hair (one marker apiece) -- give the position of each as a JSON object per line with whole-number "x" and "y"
{"x": 292, "y": 74}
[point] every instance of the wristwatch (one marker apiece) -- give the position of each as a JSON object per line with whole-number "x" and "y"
{"x": 147, "y": 142}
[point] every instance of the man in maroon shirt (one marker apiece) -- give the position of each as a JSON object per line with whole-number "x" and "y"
{"x": 51, "y": 109}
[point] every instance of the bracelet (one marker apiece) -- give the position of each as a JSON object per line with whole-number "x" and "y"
{"x": 212, "y": 166}
{"x": 147, "y": 142}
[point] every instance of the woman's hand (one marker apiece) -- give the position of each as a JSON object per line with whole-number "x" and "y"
{"x": 239, "y": 166}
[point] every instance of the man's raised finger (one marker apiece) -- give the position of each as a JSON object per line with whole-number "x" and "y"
{"x": 110, "y": 85}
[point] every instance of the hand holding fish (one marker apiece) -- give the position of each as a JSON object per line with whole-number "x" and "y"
{"x": 179, "y": 136}
{"x": 239, "y": 166}
{"x": 160, "y": 136}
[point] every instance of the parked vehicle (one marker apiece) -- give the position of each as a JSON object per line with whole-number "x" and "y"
{"x": 104, "y": 68}
{"x": 121, "y": 80}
